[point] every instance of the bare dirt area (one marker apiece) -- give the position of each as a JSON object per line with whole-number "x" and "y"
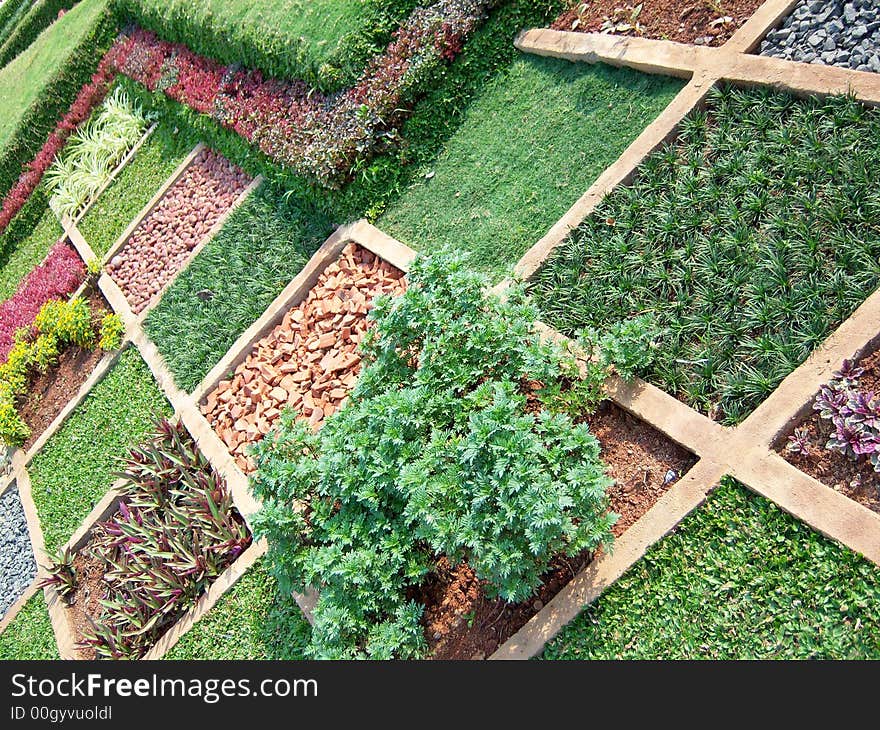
{"x": 701, "y": 22}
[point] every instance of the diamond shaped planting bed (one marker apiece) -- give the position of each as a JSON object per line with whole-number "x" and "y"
{"x": 167, "y": 235}
{"x": 309, "y": 360}
{"x": 17, "y": 565}
{"x": 184, "y": 514}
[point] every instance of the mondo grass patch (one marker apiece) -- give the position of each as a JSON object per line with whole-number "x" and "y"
{"x": 135, "y": 185}
{"x": 252, "y": 621}
{"x": 529, "y": 147}
{"x": 263, "y": 245}
{"x": 29, "y": 253}
{"x": 29, "y": 635}
{"x": 749, "y": 240}
{"x": 78, "y": 464}
{"x": 738, "y": 579}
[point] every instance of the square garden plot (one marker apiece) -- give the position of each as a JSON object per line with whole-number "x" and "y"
{"x": 644, "y": 465}
{"x": 167, "y": 235}
{"x": 737, "y": 579}
{"x": 309, "y": 361}
{"x": 748, "y": 240}
{"x": 148, "y": 552}
{"x": 838, "y": 440}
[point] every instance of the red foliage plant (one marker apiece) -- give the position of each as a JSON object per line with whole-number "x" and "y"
{"x": 90, "y": 95}
{"x": 61, "y": 272}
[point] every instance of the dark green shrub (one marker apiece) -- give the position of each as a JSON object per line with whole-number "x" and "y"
{"x": 447, "y": 447}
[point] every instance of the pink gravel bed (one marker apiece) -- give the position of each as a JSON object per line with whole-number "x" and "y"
{"x": 58, "y": 276}
{"x": 162, "y": 243}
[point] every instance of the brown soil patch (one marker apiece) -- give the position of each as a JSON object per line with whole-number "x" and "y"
{"x": 462, "y": 623}
{"x": 50, "y": 392}
{"x": 702, "y": 22}
{"x": 85, "y": 602}
{"x": 309, "y": 362}
{"x": 855, "y": 479}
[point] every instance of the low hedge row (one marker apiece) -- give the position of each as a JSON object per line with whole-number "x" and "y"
{"x": 39, "y": 121}
{"x": 38, "y": 18}
{"x": 11, "y": 12}
{"x": 276, "y": 51}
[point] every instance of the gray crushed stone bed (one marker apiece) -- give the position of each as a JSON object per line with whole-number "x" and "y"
{"x": 17, "y": 565}
{"x": 831, "y": 32}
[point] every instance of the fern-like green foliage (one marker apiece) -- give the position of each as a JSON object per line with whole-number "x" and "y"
{"x": 446, "y": 447}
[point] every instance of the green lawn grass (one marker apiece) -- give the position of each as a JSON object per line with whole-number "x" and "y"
{"x": 750, "y": 240}
{"x": 133, "y": 188}
{"x": 29, "y": 253}
{"x": 29, "y": 635}
{"x": 76, "y": 467}
{"x": 531, "y": 144}
{"x": 738, "y": 579}
{"x": 322, "y": 41}
{"x": 262, "y": 246}
{"x": 252, "y": 621}
{"x": 23, "y": 80}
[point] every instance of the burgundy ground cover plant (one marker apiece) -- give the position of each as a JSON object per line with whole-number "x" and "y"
{"x": 319, "y": 136}
{"x": 90, "y": 95}
{"x": 854, "y": 413}
{"x": 60, "y": 273}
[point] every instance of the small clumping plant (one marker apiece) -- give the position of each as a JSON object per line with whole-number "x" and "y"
{"x": 451, "y": 445}
{"x": 111, "y": 333}
{"x": 854, "y": 414}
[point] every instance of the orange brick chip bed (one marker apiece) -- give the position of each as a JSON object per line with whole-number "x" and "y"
{"x": 309, "y": 362}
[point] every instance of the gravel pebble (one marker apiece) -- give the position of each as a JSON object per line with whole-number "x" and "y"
{"x": 17, "y": 565}
{"x": 832, "y": 32}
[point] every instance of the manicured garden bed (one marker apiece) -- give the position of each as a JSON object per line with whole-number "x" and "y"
{"x": 748, "y": 240}
{"x": 77, "y": 465}
{"x": 134, "y": 187}
{"x": 49, "y": 392}
{"x": 838, "y": 442}
{"x": 531, "y": 143}
{"x": 309, "y": 362}
{"x": 253, "y": 621}
{"x": 704, "y": 22}
{"x": 324, "y": 42}
{"x": 29, "y": 635}
{"x": 23, "y": 81}
{"x": 18, "y": 568}
{"x": 29, "y": 253}
{"x": 738, "y": 579}
{"x": 140, "y": 568}
{"x": 163, "y": 241}
{"x": 462, "y": 623}
{"x": 261, "y": 247}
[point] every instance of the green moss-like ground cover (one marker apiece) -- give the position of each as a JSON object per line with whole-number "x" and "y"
{"x": 24, "y": 79}
{"x": 738, "y": 579}
{"x": 29, "y": 635}
{"x": 133, "y": 188}
{"x": 531, "y": 144}
{"x": 29, "y": 253}
{"x": 252, "y": 621}
{"x": 750, "y": 240}
{"x": 76, "y": 467}
{"x": 262, "y": 246}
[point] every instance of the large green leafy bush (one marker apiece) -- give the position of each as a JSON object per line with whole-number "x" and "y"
{"x": 448, "y": 446}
